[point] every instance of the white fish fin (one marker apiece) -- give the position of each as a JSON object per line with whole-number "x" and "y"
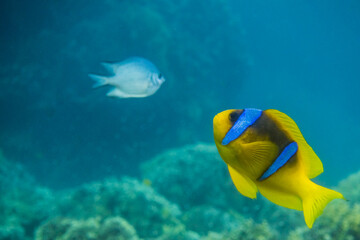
{"x": 115, "y": 92}
{"x": 111, "y": 67}
{"x": 99, "y": 80}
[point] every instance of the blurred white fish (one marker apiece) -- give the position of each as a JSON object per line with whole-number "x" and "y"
{"x": 134, "y": 77}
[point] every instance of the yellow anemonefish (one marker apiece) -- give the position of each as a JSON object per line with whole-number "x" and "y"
{"x": 265, "y": 151}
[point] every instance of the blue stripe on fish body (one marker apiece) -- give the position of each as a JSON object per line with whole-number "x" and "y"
{"x": 281, "y": 160}
{"x": 246, "y": 119}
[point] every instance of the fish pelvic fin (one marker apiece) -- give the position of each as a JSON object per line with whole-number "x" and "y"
{"x": 99, "y": 80}
{"x": 315, "y": 202}
{"x": 243, "y": 184}
{"x": 116, "y": 92}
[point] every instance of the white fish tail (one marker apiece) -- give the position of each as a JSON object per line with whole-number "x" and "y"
{"x": 99, "y": 80}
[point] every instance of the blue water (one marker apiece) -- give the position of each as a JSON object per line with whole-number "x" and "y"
{"x": 300, "y": 57}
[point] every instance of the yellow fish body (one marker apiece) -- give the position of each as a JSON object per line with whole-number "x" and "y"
{"x": 265, "y": 151}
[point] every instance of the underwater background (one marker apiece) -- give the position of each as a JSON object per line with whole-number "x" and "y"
{"x": 75, "y": 164}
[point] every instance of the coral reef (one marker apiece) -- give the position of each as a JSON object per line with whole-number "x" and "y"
{"x": 136, "y": 202}
{"x": 349, "y": 187}
{"x": 190, "y": 176}
{"x": 205, "y": 219}
{"x": 113, "y": 228}
{"x": 12, "y": 232}
{"x": 195, "y": 175}
{"x": 251, "y": 231}
{"x": 23, "y": 204}
{"x": 178, "y": 233}
{"x": 127, "y": 209}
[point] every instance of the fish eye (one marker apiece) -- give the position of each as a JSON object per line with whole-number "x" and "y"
{"x": 233, "y": 116}
{"x": 160, "y": 75}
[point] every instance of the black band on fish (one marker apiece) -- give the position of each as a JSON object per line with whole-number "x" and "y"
{"x": 281, "y": 160}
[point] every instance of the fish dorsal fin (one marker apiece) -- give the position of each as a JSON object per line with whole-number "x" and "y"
{"x": 312, "y": 163}
{"x": 111, "y": 67}
{"x": 259, "y": 155}
{"x": 243, "y": 184}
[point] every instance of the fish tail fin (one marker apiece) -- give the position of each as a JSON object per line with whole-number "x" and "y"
{"x": 316, "y": 201}
{"x": 99, "y": 80}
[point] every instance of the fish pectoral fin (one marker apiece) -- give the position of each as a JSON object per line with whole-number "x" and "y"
{"x": 315, "y": 202}
{"x": 260, "y": 154}
{"x": 115, "y": 92}
{"x": 243, "y": 184}
{"x": 312, "y": 163}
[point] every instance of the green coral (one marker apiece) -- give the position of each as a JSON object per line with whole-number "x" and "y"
{"x": 53, "y": 229}
{"x": 190, "y": 176}
{"x": 205, "y": 219}
{"x": 349, "y": 187}
{"x": 114, "y": 228}
{"x": 339, "y": 221}
{"x": 12, "y": 232}
{"x": 195, "y": 175}
{"x": 178, "y": 232}
{"x": 139, "y": 204}
{"x": 127, "y": 209}
{"x": 117, "y": 228}
{"x": 252, "y": 231}
{"x": 23, "y": 204}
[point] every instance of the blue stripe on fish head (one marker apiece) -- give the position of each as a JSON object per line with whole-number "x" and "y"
{"x": 247, "y": 118}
